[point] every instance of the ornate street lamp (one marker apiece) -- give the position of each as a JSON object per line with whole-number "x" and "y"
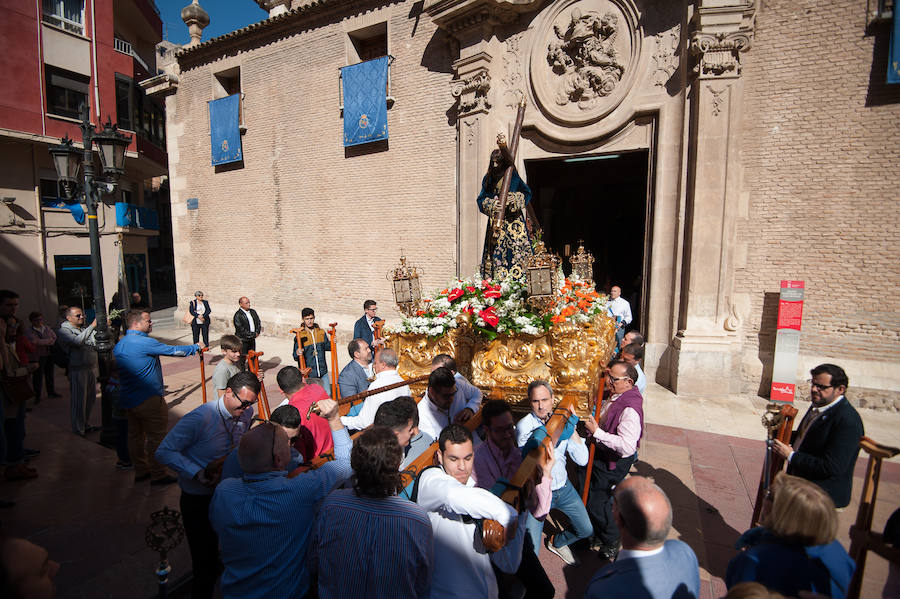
{"x": 407, "y": 291}
{"x": 112, "y": 146}
{"x": 541, "y": 277}
{"x": 583, "y": 264}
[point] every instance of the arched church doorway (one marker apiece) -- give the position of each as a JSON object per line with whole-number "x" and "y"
{"x": 602, "y": 200}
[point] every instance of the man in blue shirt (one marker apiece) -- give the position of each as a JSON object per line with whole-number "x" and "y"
{"x": 196, "y": 448}
{"x": 264, "y": 519}
{"x": 141, "y": 389}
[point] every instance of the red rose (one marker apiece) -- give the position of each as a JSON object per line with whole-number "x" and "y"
{"x": 489, "y": 316}
{"x": 470, "y": 289}
{"x": 455, "y": 294}
{"x": 468, "y": 309}
{"x": 494, "y": 293}
{"x": 442, "y": 314}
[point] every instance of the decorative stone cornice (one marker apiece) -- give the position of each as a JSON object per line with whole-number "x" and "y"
{"x": 723, "y": 30}
{"x": 456, "y": 16}
{"x": 163, "y": 84}
{"x": 472, "y": 92}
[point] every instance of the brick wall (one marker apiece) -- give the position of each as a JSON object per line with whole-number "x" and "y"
{"x": 821, "y": 154}
{"x": 305, "y": 223}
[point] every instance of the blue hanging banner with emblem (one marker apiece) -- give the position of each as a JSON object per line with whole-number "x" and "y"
{"x": 224, "y": 130}
{"x": 73, "y": 206}
{"x": 893, "y": 74}
{"x": 365, "y": 101}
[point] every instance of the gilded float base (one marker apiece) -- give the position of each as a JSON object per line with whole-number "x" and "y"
{"x": 569, "y": 356}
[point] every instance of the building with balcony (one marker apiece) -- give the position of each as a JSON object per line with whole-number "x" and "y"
{"x": 56, "y": 56}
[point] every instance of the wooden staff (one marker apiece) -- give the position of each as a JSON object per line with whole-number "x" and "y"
{"x": 774, "y": 462}
{"x": 376, "y": 334}
{"x": 335, "y": 392}
{"x": 349, "y": 401}
{"x": 203, "y": 371}
{"x": 593, "y": 446}
{"x": 253, "y": 366}
{"x": 304, "y": 370}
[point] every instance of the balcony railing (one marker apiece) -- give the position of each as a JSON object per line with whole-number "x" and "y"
{"x": 136, "y": 217}
{"x": 126, "y": 48}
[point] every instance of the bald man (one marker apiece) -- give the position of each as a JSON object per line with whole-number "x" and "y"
{"x": 648, "y": 565}
{"x": 620, "y": 309}
{"x": 247, "y": 326}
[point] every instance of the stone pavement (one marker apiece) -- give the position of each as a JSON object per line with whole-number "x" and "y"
{"x": 706, "y": 454}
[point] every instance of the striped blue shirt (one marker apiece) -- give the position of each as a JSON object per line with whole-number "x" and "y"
{"x": 367, "y": 547}
{"x": 264, "y": 521}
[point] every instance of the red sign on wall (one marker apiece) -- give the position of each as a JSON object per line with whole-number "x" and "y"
{"x": 787, "y": 341}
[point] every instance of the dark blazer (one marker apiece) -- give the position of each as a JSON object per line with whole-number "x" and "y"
{"x": 829, "y": 450}
{"x": 242, "y": 326}
{"x": 671, "y": 574}
{"x": 192, "y": 308}
{"x": 362, "y": 331}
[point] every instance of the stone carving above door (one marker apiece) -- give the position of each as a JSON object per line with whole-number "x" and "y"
{"x": 584, "y": 58}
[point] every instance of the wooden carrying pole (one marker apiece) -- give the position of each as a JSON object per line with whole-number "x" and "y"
{"x": 376, "y": 334}
{"x": 335, "y": 392}
{"x": 304, "y": 370}
{"x": 203, "y": 371}
{"x": 774, "y": 463}
{"x": 593, "y": 446}
{"x": 862, "y": 539}
{"x": 253, "y": 366}
{"x": 349, "y": 401}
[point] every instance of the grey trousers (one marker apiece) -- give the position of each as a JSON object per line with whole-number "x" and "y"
{"x": 82, "y": 394}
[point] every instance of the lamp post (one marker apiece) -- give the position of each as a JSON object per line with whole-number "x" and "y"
{"x": 111, "y": 145}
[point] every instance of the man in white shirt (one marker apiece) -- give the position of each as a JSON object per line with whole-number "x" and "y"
{"x": 632, "y": 354}
{"x": 467, "y": 394}
{"x": 441, "y": 405}
{"x": 385, "y": 374}
{"x": 449, "y": 495}
{"x": 564, "y": 496}
{"x": 618, "y": 436}
{"x": 620, "y": 309}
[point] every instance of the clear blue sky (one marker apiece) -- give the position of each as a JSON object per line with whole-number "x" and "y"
{"x": 224, "y": 17}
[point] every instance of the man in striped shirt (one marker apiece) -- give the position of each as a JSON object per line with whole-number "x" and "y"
{"x": 263, "y": 520}
{"x": 367, "y": 541}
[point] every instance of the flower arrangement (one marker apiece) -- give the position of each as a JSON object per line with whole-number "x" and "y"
{"x": 497, "y": 307}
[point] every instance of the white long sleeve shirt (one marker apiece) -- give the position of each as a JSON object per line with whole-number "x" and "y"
{"x": 467, "y": 572}
{"x": 371, "y": 404}
{"x": 621, "y": 307}
{"x": 576, "y": 449}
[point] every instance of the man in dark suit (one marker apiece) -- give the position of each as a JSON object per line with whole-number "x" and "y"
{"x": 648, "y": 565}
{"x": 362, "y": 329}
{"x": 825, "y": 446}
{"x": 354, "y": 378}
{"x": 246, "y": 325}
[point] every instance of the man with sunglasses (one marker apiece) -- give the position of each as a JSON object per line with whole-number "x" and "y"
{"x": 290, "y": 421}
{"x": 196, "y": 449}
{"x": 617, "y": 436}
{"x": 78, "y": 340}
{"x": 825, "y": 446}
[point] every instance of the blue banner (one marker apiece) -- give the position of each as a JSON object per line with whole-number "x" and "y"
{"x": 365, "y": 101}
{"x": 224, "y": 130}
{"x": 893, "y": 74}
{"x": 73, "y": 206}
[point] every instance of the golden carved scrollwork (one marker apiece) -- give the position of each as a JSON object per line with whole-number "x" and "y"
{"x": 569, "y": 357}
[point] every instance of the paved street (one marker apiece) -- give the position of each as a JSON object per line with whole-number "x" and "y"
{"x": 706, "y": 455}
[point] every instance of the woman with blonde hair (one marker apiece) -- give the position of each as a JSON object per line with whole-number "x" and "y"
{"x": 796, "y": 549}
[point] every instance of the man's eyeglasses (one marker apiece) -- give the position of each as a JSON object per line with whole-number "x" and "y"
{"x": 818, "y": 386}
{"x": 246, "y": 404}
{"x": 501, "y": 430}
{"x": 616, "y": 379}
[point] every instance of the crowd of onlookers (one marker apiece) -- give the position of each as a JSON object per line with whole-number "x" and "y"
{"x": 311, "y": 502}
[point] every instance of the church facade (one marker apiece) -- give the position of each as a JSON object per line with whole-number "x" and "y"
{"x": 704, "y": 150}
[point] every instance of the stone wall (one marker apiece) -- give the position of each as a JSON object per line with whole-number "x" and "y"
{"x": 820, "y": 156}
{"x": 304, "y": 221}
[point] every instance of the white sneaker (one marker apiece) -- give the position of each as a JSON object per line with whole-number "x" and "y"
{"x": 564, "y": 553}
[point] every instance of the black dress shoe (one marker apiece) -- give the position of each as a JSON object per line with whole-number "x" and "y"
{"x": 166, "y": 480}
{"x": 32, "y": 453}
{"x": 93, "y": 429}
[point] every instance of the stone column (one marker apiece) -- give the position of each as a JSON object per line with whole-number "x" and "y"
{"x": 707, "y": 360}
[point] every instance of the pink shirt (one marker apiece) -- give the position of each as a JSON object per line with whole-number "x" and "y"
{"x": 491, "y": 464}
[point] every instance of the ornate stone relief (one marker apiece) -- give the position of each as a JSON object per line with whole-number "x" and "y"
{"x": 471, "y": 127}
{"x": 717, "y": 99}
{"x": 719, "y": 54}
{"x": 512, "y": 71}
{"x": 666, "y": 55}
{"x": 584, "y": 58}
{"x": 472, "y": 92}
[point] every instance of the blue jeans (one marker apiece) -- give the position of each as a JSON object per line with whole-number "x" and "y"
{"x": 567, "y": 501}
